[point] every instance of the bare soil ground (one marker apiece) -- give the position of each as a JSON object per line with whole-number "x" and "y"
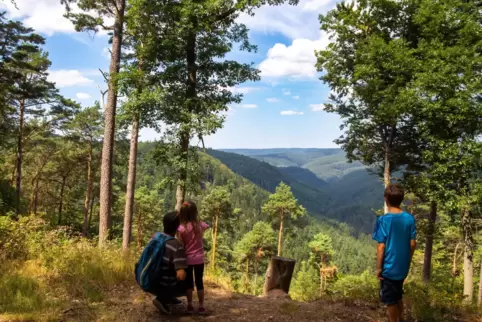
{"x": 131, "y": 304}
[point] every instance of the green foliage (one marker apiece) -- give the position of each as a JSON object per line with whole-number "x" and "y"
{"x": 305, "y": 286}
{"x": 363, "y": 287}
{"x": 322, "y": 247}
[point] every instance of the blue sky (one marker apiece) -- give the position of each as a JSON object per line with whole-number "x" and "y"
{"x": 284, "y": 109}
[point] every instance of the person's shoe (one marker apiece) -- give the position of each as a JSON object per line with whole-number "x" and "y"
{"x": 201, "y": 310}
{"x": 162, "y": 307}
{"x": 176, "y": 301}
{"x": 190, "y": 309}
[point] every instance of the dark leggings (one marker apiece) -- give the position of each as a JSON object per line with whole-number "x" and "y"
{"x": 195, "y": 272}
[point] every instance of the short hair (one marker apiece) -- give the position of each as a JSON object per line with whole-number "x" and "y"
{"x": 171, "y": 222}
{"x": 394, "y": 194}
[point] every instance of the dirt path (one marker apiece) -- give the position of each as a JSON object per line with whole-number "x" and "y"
{"x": 130, "y": 304}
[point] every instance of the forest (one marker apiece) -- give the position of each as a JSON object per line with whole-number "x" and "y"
{"x": 80, "y": 196}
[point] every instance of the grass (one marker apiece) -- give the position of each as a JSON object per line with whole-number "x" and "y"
{"x": 55, "y": 272}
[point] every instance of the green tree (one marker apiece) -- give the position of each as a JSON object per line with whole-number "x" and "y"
{"x": 305, "y": 284}
{"x": 216, "y": 205}
{"x": 92, "y": 19}
{"x": 254, "y": 246}
{"x": 282, "y": 205}
{"x": 321, "y": 246}
{"x": 368, "y": 67}
{"x": 86, "y": 128}
{"x": 192, "y": 40}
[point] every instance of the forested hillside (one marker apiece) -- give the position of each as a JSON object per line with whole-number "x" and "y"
{"x": 352, "y": 197}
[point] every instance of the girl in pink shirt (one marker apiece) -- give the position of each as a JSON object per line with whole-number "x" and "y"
{"x": 190, "y": 232}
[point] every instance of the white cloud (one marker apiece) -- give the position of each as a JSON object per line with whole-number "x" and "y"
{"x": 83, "y": 96}
{"x": 287, "y": 93}
{"x": 295, "y": 97}
{"x": 272, "y": 100}
{"x": 295, "y": 61}
{"x": 290, "y": 112}
{"x": 299, "y": 21}
{"x": 69, "y": 77}
{"x": 249, "y": 106}
{"x": 317, "y": 107}
{"x": 45, "y": 16}
{"x": 244, "y": 89}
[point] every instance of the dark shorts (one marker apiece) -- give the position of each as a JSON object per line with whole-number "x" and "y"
{"x": 195, "y": 273}
{"x": 391, "y": 291}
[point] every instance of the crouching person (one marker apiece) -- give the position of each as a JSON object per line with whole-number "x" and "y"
{"x": 161, "y": 268}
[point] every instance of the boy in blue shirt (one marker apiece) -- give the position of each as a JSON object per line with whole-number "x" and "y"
{"x": 395, "y": 233}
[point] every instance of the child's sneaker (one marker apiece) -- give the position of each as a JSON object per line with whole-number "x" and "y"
{"x": 201, "y": 310}
{"x": 162, "y": 307}
{"x": 190, "y": 309}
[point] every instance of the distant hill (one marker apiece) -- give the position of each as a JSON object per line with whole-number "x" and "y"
{"x": 304, "y": 176}
{"x": 268, "y": 177}
{"x": 350, "y": 194}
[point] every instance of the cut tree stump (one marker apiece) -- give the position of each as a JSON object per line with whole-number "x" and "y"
{"x": 279, "y": 274}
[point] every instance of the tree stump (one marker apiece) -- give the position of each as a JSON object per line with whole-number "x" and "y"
{"x": 279, "y": 274}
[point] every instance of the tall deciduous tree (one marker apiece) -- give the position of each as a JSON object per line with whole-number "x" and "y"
{"x": 368, "y": 66}
{"x": 216, "y": 205}
{"x": 192, "y": 40}
{"x": 94, "y": 17}
{"x": 282, "y": 205}
{"x": 86, "y": 128}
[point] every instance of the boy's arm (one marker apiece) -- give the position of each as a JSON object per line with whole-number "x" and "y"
{"x": 180, "y": 264}
{"x": 380, "y": 256}
{"x": 413, "y": 246}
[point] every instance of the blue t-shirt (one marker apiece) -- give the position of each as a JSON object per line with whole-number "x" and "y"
{"x": 395, "y": 231}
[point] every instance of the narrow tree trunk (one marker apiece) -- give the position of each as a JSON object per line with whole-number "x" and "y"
{"x": 185, "y": 134}
{"x": 479, "y": 297}
{"x": 61, "y": 202}
{"x": 215, "y": 238}
{"x": 386, "y": 177}
{"x": 468, "y": 257}
{"x": 181, "y": 183}
{"x": 90, "y": 214}
{"x": 427, "y": 261}
{"x": 131, "y": 184}
{"x": 109, "y": 127}
{"x": 88, "y": 194}
{"x": 279, "y": 274}
{"x": 20, "y": 157}
{"x": 454, "y": 263}
{"x": 280, "y": 236}
{"x": 139, "y": 229}
{"x": 35, "y": 200}
{"x": 321, "y": 283}
{"x": 255, "y": 277}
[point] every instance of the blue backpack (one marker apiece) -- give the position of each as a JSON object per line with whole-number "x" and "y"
{"x": 148, "y": 268}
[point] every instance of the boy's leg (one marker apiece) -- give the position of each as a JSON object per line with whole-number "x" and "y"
{"x": 401, "y": 315}
{"x": 393, "y": 314}
{"x": 391, "y": 293}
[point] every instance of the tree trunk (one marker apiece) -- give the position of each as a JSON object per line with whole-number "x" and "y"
{"x": 131, "y": 184}
{"x": 280, "y": 236}
{"x": 185, "y": 134}
{"x": 109, "y": 127}
{"x": 215, "y": 238}
{"x": 35, "y": 198}
{"x": 279, "y": 274}
{"x": 255, "y": 277}
{"x": 427, "y": 261}
{"x": 454, "y": 263}
{"x": 88, "y": 194}
{"x": 90, "y": 214}
{"x": 321, "y": 283}
{"x": 479, "y": 297}
{"x": 139, "y": 229}
{"x": 386, "y": 177}
{"x": 468, "y": 257}
{"x": 20, "y": 157}
{"x": 61, "y": 202}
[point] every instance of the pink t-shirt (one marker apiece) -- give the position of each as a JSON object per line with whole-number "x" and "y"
{"x": 193, "y": 243}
